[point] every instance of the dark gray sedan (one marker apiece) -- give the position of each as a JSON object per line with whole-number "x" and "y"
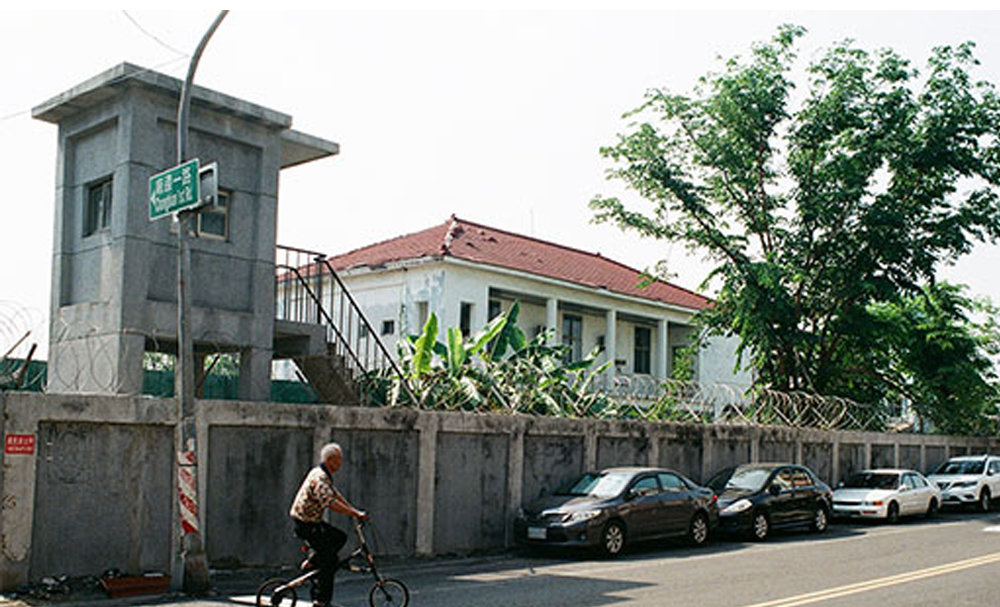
{"x": 614, "y": 507}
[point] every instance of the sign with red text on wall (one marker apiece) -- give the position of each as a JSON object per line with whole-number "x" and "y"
{"x": 19, "y": 444}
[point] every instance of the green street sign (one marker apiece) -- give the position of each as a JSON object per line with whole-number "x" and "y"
{"x": 174, "y": 190}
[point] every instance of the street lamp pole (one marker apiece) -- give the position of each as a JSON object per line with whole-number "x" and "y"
{"x": 195, "y": 573}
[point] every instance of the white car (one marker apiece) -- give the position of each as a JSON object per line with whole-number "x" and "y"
{"x": 972, "y": 479}
{"x": 885, "y": 494}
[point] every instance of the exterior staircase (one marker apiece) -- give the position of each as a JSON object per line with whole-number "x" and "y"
{"x": 330, "y": 377}
{"x": 320, "y": 327}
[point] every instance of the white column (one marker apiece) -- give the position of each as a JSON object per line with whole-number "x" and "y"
{"x": 662, "y": 349}
{"x": 552, "y": 320}
{"x": 610, "y": 341}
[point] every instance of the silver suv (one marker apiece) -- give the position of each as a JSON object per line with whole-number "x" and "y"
{"x": 972, "y": 479}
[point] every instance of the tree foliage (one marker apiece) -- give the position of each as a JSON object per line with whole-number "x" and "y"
{"x": 825, "y": 209}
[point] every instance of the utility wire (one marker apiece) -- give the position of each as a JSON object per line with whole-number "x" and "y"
{"x": 153, "y": 36}
{"x": 123, "y": 79}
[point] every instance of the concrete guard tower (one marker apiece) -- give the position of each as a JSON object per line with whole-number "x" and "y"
{"x": 114, "y": 272}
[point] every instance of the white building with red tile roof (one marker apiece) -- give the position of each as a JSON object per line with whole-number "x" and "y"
{"x": 466, "y": 273}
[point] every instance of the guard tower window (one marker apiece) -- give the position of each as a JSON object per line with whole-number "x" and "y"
{"x": 213, "y": 220}
{"x": 98, "y": 215}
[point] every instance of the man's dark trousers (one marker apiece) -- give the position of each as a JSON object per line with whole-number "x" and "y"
{"x": 326, "y": 541}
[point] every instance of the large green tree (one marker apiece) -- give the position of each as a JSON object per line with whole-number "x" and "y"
{"x": 822, "y": 205}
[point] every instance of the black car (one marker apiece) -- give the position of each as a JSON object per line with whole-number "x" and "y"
{"x": 611, "y": 508}
{"x": 756, "y": 498}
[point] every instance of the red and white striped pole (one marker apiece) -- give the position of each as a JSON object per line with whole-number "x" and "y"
{"x": 187, "y": 491}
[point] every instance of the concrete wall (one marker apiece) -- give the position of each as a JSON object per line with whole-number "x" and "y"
{"x": 99, "y": 490}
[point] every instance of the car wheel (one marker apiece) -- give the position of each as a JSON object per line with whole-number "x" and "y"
{"x": 613, "y": 538}
{"x": 932, "y": 508}
{"x": 760, "y": 527}
{"x": 892, "y": 513}
{"x": 985, "y": 500}
{"x": 698, "y": 530}
{"x": 820, "y": 520}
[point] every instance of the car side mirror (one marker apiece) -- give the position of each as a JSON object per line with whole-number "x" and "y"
{"x": 840, "y": 485}
{"x": 774, "y": 490}
{"x": 904, "y": 489}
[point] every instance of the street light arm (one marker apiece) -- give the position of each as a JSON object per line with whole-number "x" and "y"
{"x": 185, "y": 104}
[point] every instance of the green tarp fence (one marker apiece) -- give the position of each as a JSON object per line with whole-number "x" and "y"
{"x": 159, "y": 383}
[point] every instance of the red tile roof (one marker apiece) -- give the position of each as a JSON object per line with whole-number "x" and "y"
{"x": 477, "y": 243}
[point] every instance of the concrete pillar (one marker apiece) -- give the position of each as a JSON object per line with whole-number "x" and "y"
{"x": 552, "y": 320}
{"x": 798, "y": 452}
{"x": 923, "y": 456}
{"x": 515, "y": 475}
{"x": 835, "y": 464}
{"x": 895, "y": 454}
{"x": 754, "y": 445}
{"x": 17, "y": 513}
{"x": 653, "y": 439}
{"x": 868, "y": 452}
{"x": 662, "y": 349}
{"x": 707, "y": 465}
{"x": 610, "y": 343}
{"x": 590, "y": 448}
{"x": 255, "y": 374}
{"x": 428, "y": 428}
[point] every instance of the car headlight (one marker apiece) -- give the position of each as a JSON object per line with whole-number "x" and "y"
{"x": 872, "y": 503}
{"x": 737, "y": 507}
{"x": 580, "y": 516}
{"x": 963, "y": 484}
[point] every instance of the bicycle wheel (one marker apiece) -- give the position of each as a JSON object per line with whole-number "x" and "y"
{"x": 266, "y": 597}
{"x": 389, "y": 593}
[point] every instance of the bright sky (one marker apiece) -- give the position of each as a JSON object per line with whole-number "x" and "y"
{"x": 494, "y": 116}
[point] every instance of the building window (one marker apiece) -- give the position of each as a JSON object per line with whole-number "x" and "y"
{"x": 494, "y": 309}
{"x": 213, "y": 219}
{"x": 423, "y": 314}
{"x": 465, "y": 319}
{"x": 572, "y": 337}
{"x": 98, "y": 215}
{"x": 388, "y": 327}
{"x": 643, "y": 350}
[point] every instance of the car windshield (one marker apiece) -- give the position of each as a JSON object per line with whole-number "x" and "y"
{"x": 872, "y": 480}
{"x": 961, "y": 466}
{"x": 740, "y": 479}
{"x": 597, "y": 485}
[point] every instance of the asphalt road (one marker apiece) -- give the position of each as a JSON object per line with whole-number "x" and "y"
{"x": 953, "y": 560}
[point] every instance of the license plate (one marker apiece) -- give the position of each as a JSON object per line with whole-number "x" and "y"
{"x": 536, "y": 533}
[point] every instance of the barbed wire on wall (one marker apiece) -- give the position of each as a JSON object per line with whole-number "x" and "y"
{"x": 648, "y": 399}
{"x": 87, "y": 359}
{"x": 20, "y": 331}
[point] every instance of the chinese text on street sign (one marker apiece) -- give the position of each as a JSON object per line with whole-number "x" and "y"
{"x": 174, "y": 190}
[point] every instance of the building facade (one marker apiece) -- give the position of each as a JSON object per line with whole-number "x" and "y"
{"x": 466, "y": 273}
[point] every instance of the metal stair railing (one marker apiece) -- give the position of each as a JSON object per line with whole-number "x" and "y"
{"x": 309, "y": 290}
